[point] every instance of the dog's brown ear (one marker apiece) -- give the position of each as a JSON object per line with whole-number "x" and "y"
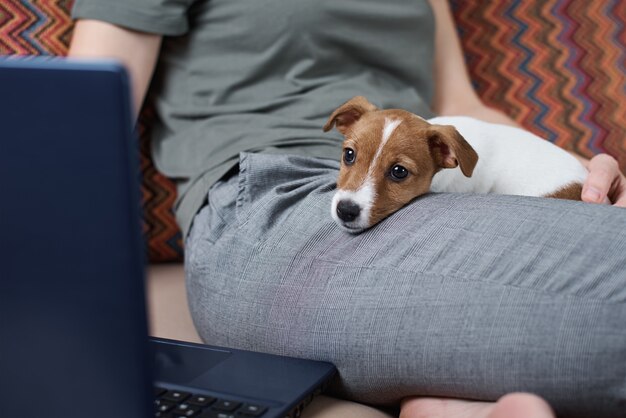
{"x": 345, "y": 115}
{"x": 449, "y": 149}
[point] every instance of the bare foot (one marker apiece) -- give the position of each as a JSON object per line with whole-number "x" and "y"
{"x": 513, "y": 405}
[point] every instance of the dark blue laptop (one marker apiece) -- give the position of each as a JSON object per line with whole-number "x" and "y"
{"x": 73, "y": 331}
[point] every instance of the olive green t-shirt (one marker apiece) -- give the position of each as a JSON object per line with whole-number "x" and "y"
{"x": 264, "y": 75}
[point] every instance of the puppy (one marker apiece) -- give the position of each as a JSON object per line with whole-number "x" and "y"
{"x": 392, "y": 156}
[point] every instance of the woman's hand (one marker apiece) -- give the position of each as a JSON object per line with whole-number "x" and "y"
{"x": 605, "y": 183}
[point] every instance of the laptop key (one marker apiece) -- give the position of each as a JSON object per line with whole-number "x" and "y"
{"x": 161, "y": 405}
{"x": 201, "y": 400}
{"x": 175, "y": 396}
{"x": 226, "y": 406}
{"x": 217, "y": 414}
{"x": 185, "y": 410}
{"x": 252, "y": 410}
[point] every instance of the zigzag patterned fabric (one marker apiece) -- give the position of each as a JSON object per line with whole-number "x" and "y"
{"x": 556, "y": 66}
{"x": 34, "y": 27}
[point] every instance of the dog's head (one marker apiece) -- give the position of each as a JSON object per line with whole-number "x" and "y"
{"x": 389, "y": 158}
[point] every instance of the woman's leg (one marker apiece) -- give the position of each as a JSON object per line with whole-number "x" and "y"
{"x": 466, "y": 296}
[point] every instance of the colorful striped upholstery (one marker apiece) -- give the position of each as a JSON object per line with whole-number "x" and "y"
{"x": 557, "y": 66}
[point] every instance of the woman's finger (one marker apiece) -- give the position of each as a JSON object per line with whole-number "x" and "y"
{"x": 603, "y": 171}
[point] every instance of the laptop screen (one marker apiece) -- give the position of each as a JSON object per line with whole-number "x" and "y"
{"x": 73, "y": 324}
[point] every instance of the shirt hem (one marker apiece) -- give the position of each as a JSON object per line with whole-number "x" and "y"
{"x": 156, "y": 23}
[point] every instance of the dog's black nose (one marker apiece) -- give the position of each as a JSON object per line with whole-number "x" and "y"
{"x": 347, "y": 210}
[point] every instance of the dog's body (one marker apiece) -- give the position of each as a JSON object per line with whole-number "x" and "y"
{"x": 511, "y": 161}
{"x": 392, "y": 156}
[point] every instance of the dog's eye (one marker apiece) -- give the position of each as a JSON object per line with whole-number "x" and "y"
{"x": 398, "y": 172}
{"x": 349, "y": 156}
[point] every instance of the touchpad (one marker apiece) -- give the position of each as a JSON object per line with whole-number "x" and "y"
{"x": 180, "y": 364}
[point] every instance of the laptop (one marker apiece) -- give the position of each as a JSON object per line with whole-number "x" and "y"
{"x": 73, "y": 328}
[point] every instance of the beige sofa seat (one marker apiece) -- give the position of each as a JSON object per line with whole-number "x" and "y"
{"x": 169, "y": 318}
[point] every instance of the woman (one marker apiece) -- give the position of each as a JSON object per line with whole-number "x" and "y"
{"x": 454, "y": 296}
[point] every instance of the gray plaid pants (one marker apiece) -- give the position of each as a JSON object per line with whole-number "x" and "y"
{"x": 469, "y": 296}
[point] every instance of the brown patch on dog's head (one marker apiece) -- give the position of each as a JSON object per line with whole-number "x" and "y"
{"x": 348, "y": 113}
{"x": 405, "y": 154}
{"x": 390, "y": 157}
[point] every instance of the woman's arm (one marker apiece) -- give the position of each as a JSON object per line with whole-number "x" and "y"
{"x": 136, "y": 50}
{"x": 455, "y": 95}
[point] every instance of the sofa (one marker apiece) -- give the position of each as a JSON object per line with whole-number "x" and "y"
{"x": 558, "y": 67}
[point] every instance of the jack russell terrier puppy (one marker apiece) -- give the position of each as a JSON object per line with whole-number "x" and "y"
{"x": 392, "y": 156}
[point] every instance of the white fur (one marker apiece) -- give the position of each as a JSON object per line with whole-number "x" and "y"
{"x": 510, "y": 161}
{"x": 364, "y": 196}
{"x": 390, "y": 126}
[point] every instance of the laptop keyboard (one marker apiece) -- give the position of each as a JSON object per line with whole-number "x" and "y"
{"x": 176, "y": 404}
